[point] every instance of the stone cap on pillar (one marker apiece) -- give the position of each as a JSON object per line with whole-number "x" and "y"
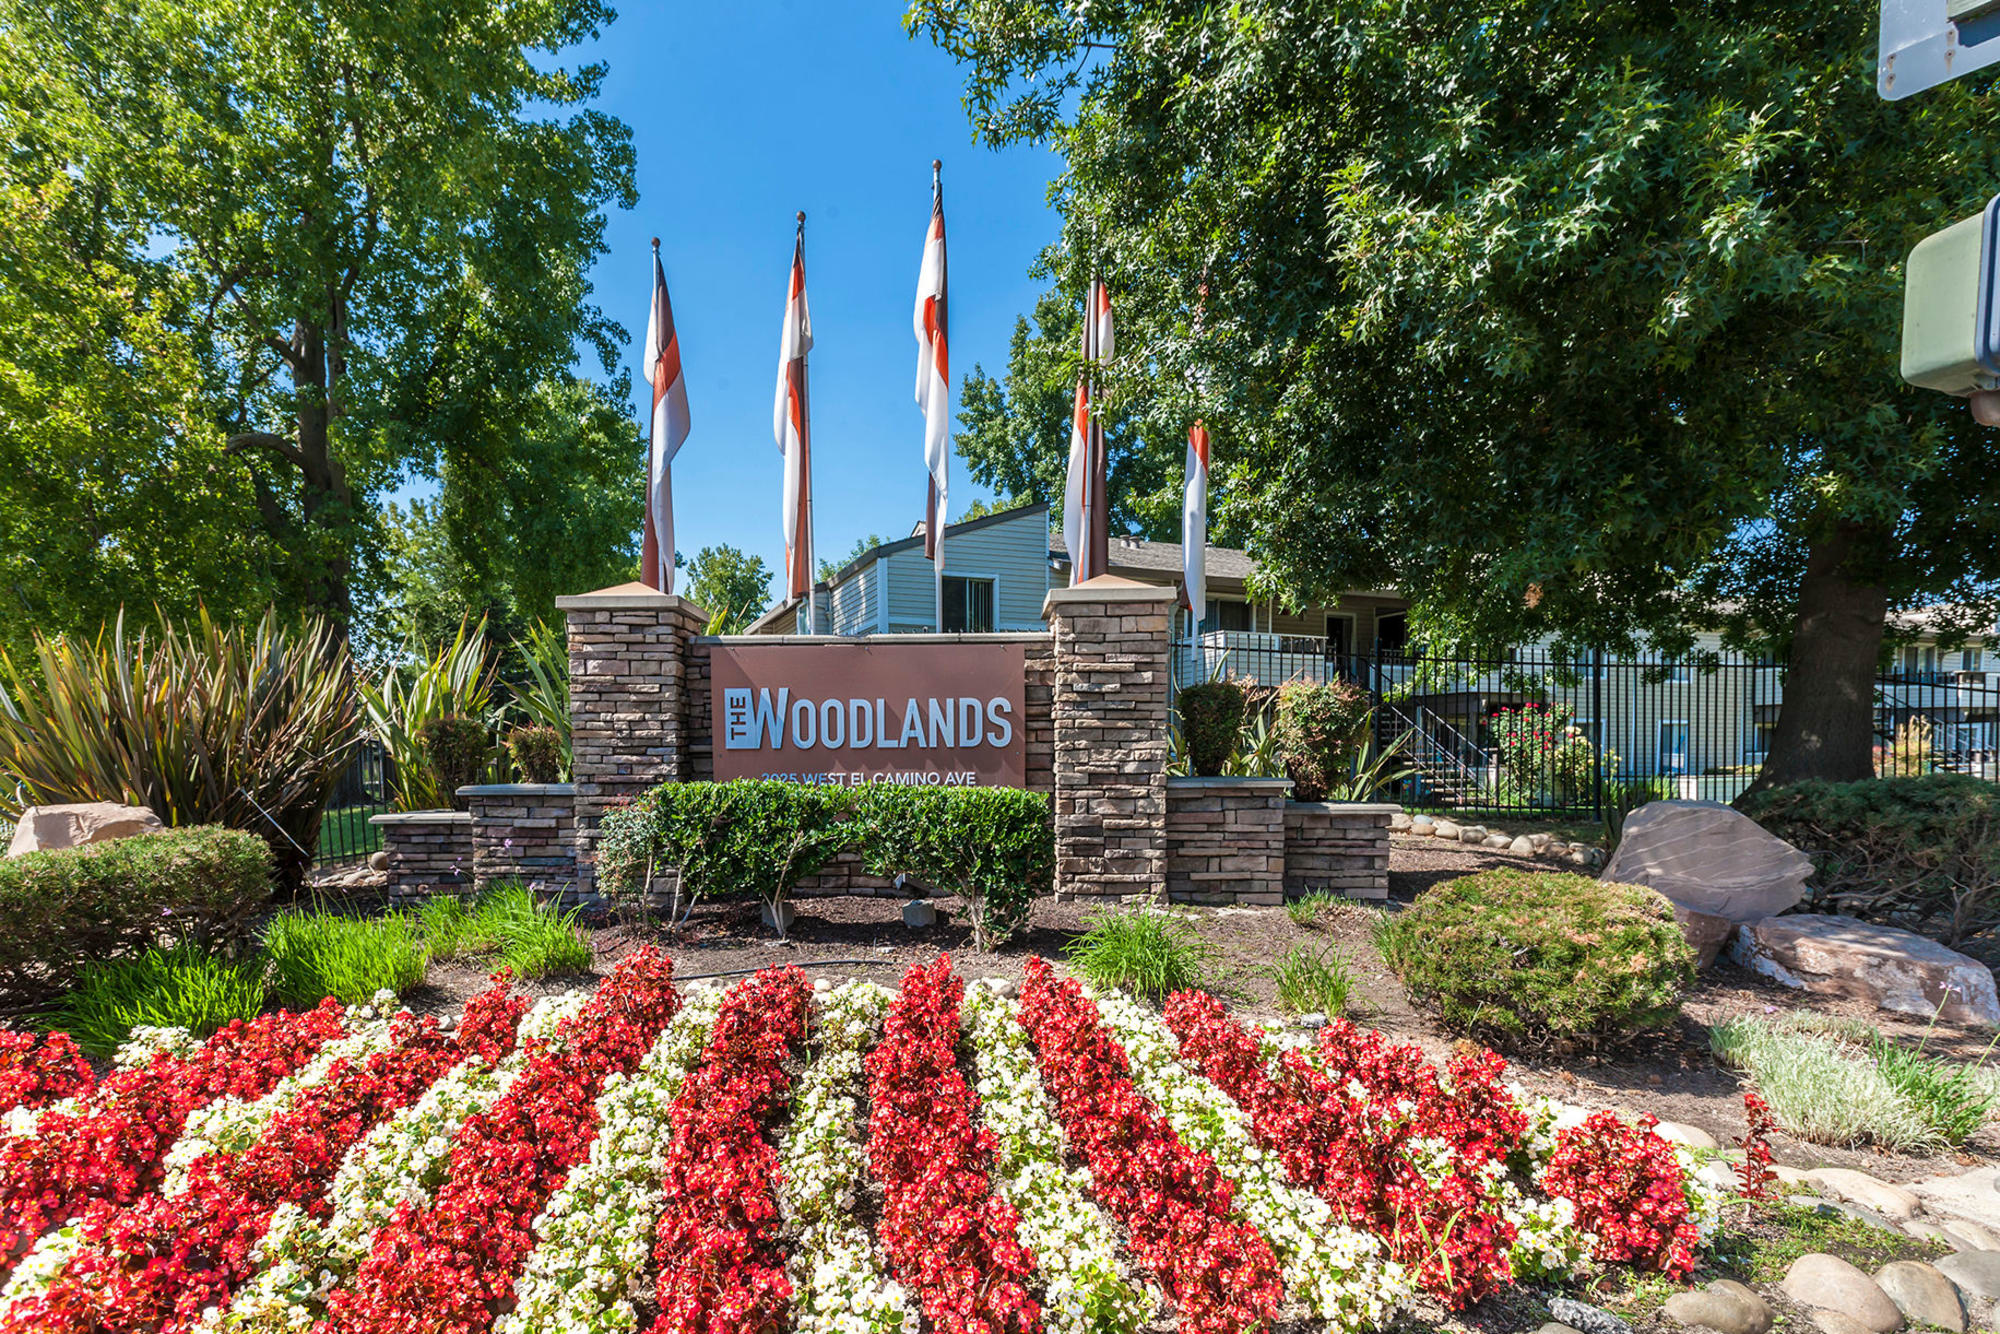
{"x": 1107, "y": 588}
{"x": 634, "y": 596}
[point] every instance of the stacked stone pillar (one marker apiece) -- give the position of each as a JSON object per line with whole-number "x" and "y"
{"x": 630, "y": 722}
{"x": 1109, "y": 707}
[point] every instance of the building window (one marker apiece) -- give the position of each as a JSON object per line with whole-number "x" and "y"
{"x": 1673, "y": 746}
{"x": 1969, "y": 660}
{"x": 1226, "y": 615}
{"x": 1392, "y": 631}
{"x": 968, "y": 605}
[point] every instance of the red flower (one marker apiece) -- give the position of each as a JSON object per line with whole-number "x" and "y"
{"x": 1626, "y": 1185}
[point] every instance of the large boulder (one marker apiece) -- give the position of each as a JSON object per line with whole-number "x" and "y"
{"x": 1707, "y": 857}
{"x": 46, "y": 828}
{"x": 1891, "y": 968}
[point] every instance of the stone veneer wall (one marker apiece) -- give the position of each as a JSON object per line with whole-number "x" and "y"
{"x": 1109, "y": 706}
{"x": 1226, "y": 840}
{"x": 629, "y": 707}
{"x": 430, "y": 852}
{"x": 524, "y": 832}
{"x": 1339, "y": 847}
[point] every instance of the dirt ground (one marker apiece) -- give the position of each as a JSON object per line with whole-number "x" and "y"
{"x": 1673, "y": 1077}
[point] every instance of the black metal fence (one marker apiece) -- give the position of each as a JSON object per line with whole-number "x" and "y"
{"x": 1565, "y": 737}
{"x": 345, "y": 835}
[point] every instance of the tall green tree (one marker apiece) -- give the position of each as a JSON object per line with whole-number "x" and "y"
{"x": 731, "y": 584}
{"x": 1572, "y": 318}
{"x": 377, "y": 220}
{"x": 862, "y": 546}
{"x": 1014, "y": 432}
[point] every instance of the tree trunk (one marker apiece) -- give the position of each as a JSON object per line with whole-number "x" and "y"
{"x": 1826, "y": 724}
{"x": 326, "y": 503}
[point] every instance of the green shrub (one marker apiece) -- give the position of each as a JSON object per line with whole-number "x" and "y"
{"x": 993, "y": 847}
{"x": 236, "y": 727}
{"x": 537, "y": 752}
{"x": 1521, "y": 958}
{"x": 183, "y": 987}
{"x": 454, "y": 747}
{"x": 68, "y": 908}
{"x": 1319, "y": 731}
{"x": 1146, "y": 951}
{"x": 1920, "y": 853}
{"x": 1312, "y": 981}
{"x": 313, "y": 955}
{"x": 1211, "y": 721}
{"x": 748, "y": 836}
{"x": 456, "y": 678}
{"x": 509, "y": 924}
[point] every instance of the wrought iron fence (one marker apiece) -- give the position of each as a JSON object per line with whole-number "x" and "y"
{"x": 1534, "y": 732}
{"x": 345, "y": 835}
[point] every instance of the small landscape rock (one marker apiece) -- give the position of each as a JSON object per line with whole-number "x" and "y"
{"x": 1839, "y": 1322}
{"x": 1829, "y": 1283}
{"x": 1791, "y": 1176}
{"x": 1578, "y": 856}
{"x": 1719, "y": 1174}
{"x": 46, "y": 828}
{"x": 919, "y": 913}
{"x": 1923, "y": 1294}
{"x": 1723, "y": 1309}
{"x": 1499, "y": 842}
{"x": 779, "y": 920}
{"x": 1982, "y": 1237}
{"x": 1522, "y": 847}
{"x": 1585, "y": 1318}
{"x": 1924, "y": 1230}
{"x": 1978, "y": 1272}
{"x": 1555, "y": 847}
{"x": 378, "y": 861}
{"x": 1892, "y": 1202}
{"x": 1551, "y": 1327}
{"x": 1444, "y": 829}
{"x": 1541, "y": 841}
{"x": 822, "y": 985}
{"x": 1694, "y": 1137}
{"x": 1002, "y": 986}
{"x": 1423, "y": 825}
{"x": 1312, "y": 1019}
{"x": 1399, "y": 821}
{"x": 1474, "y": 834}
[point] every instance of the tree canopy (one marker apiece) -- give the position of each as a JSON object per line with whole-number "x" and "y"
{"x": 729, "y": 584}
{"x": 1573, "y": 318}
{"x": 275, "y": 264}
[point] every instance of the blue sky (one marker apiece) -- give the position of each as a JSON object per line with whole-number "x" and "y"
{"x": 741, "y": 115}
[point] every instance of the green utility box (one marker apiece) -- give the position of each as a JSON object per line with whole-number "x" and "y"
{"x": 1950, "y": 340}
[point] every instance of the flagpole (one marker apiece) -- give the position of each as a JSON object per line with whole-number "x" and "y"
{"x": 937, "y": 510}
{"x": 805, "y": 443}
{"x": 649, "y": 534}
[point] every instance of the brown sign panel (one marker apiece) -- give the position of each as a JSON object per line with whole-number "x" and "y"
{"x": 870, "y": 712}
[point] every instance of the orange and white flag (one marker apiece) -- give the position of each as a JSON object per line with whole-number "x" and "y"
{"x": 669, "y": 428}
{"x": 1194, "y": 523}
{"x": 934, "y": 373}
{"x": 1086, "y": 510}
{"x": 790, "y": 424}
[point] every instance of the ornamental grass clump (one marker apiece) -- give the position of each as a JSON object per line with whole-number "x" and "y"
{"x": 1524, "y": 959}
{"x": 1148, "y": 952}
{"x": 317, "y": 954}
{"x": 183, "y": 987}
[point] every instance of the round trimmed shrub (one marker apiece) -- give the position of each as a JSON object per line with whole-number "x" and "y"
{"x": 455, "y": 749}
{"x": 1211, "y": 719}
{"x": 1528, "y": 959}
{"x": 538, "y": 752}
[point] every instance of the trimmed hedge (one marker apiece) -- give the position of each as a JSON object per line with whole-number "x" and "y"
{"x": 1319, "y": 733}
{"x": 1524, "y": 959}
{"x": 61, "y": 910}
{"x": 1920, "y": 853}
{"x": 1211, "y": 721}
{"x": 994, "y": 847}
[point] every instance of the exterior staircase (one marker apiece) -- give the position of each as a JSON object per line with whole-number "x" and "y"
{"x": 1435, "y": 749}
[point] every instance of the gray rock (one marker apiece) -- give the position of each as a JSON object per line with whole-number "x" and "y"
{"x": 1578, "y": 855}
{"x": 1499, "y": 842}
{"x": 1883, "y": 965}
{"x": 1923, "y": 1294}
{"x": 1839, "y": 1322}
{"x": 48, "y": 828}
{"x": 1423, "y": 824}
{"x": 1694, "y": 1137}
{"x": 1925, "y": 1230}
{"x": 1472, "y": 833}
{"x": 1829, "y": 1283}
{"x": 1710, "y": 858}
{"x": 1002, "y": 986}
{"x": 919, "y": 913}
{"x": 1707, "y": 933}
{"x": 1585, "y": 1318}
{"x": 1844, "y": 1183}
{"x": 1719, "y": 1174}
{"x": 1551, "y": 1327}
{"x": 1540, "y": 842}
{"x": 822, "y": 985}
{"x": 1982, "y": 1237}
{"x": 1723, "y": 1309}
{"x": 1445, "y": 829}
{"x": 378, "y": 861}
{"x": 1978, "y": 1272}
{"x": 1522, "y": 847}
{"x": 1312, "y": 1019}
{"x": 1399, "y": 821}
{"x": 1594, "y": 858}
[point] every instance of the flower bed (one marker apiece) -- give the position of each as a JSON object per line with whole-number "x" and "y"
{"x": 857, "y": 1162}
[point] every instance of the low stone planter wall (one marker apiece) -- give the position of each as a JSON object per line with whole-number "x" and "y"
{"x": 524, "y": 832}
{"x": 1226, "y": 840}
{"x": 430, "y": 852}
{"x": 1339, "y": 847}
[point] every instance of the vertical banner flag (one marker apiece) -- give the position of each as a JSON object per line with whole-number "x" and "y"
{"x": 1086, "y": 508}
{"x": 668, "y": 428}
{"x": 790, "y": 424}
{"x": 934, "y": 382}
{"x": 1194, "y": 525}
